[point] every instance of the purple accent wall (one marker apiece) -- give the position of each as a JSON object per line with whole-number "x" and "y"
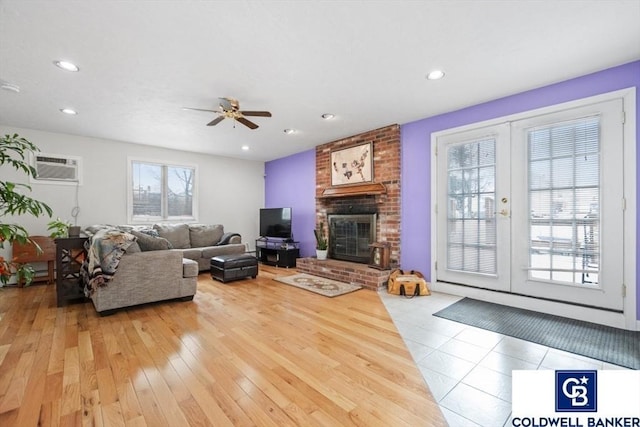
{"x": 416, "y": 149}
{"x": 290, "y": 182}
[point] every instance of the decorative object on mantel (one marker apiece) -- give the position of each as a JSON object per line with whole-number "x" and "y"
{"x": 353, "y": 165}
{"x": 370, "y": 189}
{"x": 379, "y": 255}
{"x": 319, "y": 285}
{"x": 321, "y": 242}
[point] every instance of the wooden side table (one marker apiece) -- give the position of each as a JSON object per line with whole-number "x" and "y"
{"x": 70, "y": 254}
{"x": 27, "y": 253}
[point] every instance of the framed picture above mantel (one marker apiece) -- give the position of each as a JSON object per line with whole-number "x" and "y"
{"x": 353, "y": 165}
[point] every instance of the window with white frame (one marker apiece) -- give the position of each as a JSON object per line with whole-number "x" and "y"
{"x": 160, "y": 191}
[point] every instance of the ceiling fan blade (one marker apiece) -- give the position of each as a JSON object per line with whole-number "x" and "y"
{"x": 247, "y": 123}
{"x": 199, "y": 109}
{"x": 256, "y": 113}
{"x": 215, "y": 121}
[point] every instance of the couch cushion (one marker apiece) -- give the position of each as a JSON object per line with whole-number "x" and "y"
{"x": 189, "y": 268}
{"x": 212, "y": 251}
{"x": 202, "y": 235}
{"x": 150, "y": 243}
{"x": 193, "y": 253}
{"x": 177, "y": 234}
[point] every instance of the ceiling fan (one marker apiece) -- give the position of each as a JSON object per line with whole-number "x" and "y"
{"x": 229, "y": 108}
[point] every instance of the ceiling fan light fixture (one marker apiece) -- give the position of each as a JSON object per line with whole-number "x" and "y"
{"x": 67, "y": 66}
{"x": 435, "y": 75}
{"x": 328, "y": 116}
{"x": 289, "y": 131}
{"x": 68, "y": 111}
{"x": 229, "y": 108}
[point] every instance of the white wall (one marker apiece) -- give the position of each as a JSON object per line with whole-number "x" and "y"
{"x": 230, "y": 191}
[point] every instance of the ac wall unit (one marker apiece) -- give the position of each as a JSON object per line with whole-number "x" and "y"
{"x": 56, "y": 169}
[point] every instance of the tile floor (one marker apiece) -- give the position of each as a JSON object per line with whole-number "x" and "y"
{"x": 468, "y": 370}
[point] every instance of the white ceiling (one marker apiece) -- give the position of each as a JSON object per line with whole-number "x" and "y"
{"x": 365, "y": 61}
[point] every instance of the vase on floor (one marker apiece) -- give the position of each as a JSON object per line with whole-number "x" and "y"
{"x": 321, "y": 254}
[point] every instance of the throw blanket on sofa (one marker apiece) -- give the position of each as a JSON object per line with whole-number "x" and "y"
{"x": 106, "y": 248}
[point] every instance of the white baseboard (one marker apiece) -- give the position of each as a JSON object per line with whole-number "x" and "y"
{"x": 593, "y": 315}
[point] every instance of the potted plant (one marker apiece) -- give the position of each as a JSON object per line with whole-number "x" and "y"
{"x": 14, "y": 151}
{"x": 58, "y": 228}
{"x": 321, "y": 242}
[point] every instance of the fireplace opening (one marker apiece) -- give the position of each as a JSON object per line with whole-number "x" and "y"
{"x": 350, "y": 236}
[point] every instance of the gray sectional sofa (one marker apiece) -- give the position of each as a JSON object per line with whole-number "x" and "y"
{"x": 161, "y": 264}
{"x": 198, "y": 242}
{"x": 145, "y": 277}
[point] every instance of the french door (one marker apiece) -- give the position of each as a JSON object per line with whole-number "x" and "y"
{"x": 473, "y": 227}
{"x": 535, "y": 206}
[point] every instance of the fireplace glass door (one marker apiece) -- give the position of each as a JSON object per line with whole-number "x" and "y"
{"x": 350, "y": 236}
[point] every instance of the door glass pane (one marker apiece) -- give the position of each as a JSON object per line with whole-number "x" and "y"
{"x": 564, "y": 193}
{"x": 471, "y": 226}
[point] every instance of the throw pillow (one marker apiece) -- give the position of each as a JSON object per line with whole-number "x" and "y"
{"x": 177, "y": 234}
{"x": 150, "y": 243}
{"x": 202, "y": 235}
{"x": 149, "y": 232}
{"x": 133, "y": 248}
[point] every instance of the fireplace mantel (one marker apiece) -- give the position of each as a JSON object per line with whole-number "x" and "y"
{"x": 368, "y": 189}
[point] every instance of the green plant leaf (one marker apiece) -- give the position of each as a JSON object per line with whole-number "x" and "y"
{"x": 14, "y": 151}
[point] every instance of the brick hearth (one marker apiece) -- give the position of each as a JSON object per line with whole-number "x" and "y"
{"x": 344, "y": 271}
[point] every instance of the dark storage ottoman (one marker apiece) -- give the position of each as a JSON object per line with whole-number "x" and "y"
{"x": 233, "y": 267}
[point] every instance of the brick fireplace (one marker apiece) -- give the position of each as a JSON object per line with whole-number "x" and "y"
{"x": 382, "y": 199}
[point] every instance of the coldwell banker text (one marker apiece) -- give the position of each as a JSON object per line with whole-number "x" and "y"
{"x": 575, "y": 422}
{"x": 575, "y": 398}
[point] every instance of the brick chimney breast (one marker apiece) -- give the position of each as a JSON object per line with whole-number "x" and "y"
{"x": 386, "y": 170}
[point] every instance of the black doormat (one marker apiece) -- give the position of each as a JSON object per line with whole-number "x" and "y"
{"x": 617, "y": 346}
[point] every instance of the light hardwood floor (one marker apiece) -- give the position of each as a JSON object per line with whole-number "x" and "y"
{"x": 251, "y": 352}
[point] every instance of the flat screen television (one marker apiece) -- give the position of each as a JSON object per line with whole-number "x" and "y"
{"x": 275, "y": 222}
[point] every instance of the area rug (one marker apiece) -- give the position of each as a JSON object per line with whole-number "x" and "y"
{"x": 617, "y": 346}
{"x": 319, "y": 285}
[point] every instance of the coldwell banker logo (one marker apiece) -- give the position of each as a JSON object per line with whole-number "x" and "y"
{"x": 576, "y": 391}
{"x": 572, "y": 398}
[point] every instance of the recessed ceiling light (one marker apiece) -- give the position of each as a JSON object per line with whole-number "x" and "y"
{"x": 66, "y": 65}
{"x": 69, "y": 111}
{"x": 328, "y": 116}
{"x": 245, "y": 148}
{"x": 289, "y": 131}
{"x": 435, "y": 75}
